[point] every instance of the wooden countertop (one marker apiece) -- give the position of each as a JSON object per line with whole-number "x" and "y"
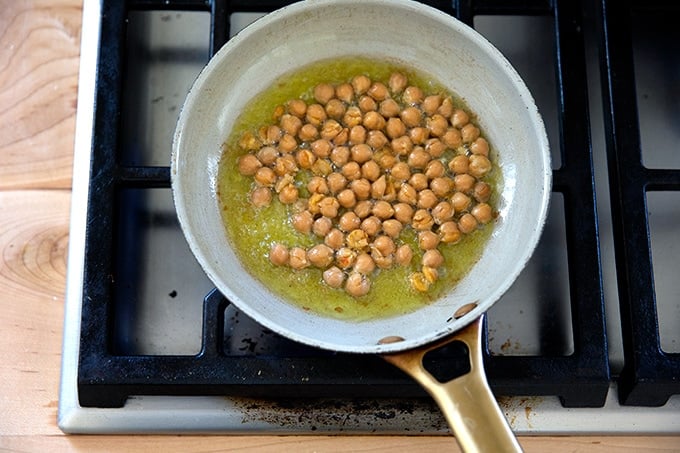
{"x": 39, "y": 50}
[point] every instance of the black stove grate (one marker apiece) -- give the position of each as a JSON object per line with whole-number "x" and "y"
{"x": 106, "y": 379}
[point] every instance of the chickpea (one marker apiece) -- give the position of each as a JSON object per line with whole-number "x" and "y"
{"x": 435, "y": 169}
{"x": 320, "y": 256}
{"x": 389, "y": 108}
{"x": 431, "y": 274}
{"x": 305, "y": 158}
{"x": 482, "y": 212}
{"x": 321, "y": 148}
{"x": 460, "y": 202}
{"x": 413, "y": 95}
{"x": 352, "y": 117}
{"x": 323, "y": 93}
{"x": 351, "y": 170}
{"x": 402, "y": 145}
{"x": 437, "y": 125}
{"x": 459, "y": 118}
{"x": 334, "y": 277}
{"x": 335, "y": 109}
{"x": 446, "y": 108}
{"x": 419, "y": 158}
{"x": 419, "y": 135}
{"x": 287, "y": 144}
{"x": 297, "y": 258}
{"x": 357, "y": 239}
{"x": 433, "y": 258}
{"x": 363, "y": 208}
{"x": 467, "y": 223}
{"x": 469, "y": 133}
{"x": 378, "y": 187}
{"x": 303, "y": 221}
{"x": 383, "y": 210}
{"x": 403, "y": 255}
{"x": 278, "y": 255}
{"x": 347, "y": 199}
{"x": 349, "y": 221}
{"x": 330, "y": 129}
{"x": 374, "y": 121}
{"x": 267, "y": 155}
{"x": 376, "y": 139}
{"x": 367, "y": 104}
{"x": 382, "y": 261}
{"x": 443, "y": 212}
{"x": 403, "y": 212}
{"x": 336, "y": 182}
{"x": 290, "y": 124}
{"x": 329, "y": 207}
{"x": 357, "y": 285}
{"x": 316, "y": 114}
{"x": 480, "y": 165}
{"x": 340, "y": 155}
{"x": 378, "y": 91}
{"x": 459, "y": 164}
{"x": 272, "y": 134}
{"x": 386, "y": 159}
{"x": 248, "y": 164}
{"x": 285, "y": 165}
{"x": 297, "y": 107}
{"x": 452, "y": 138}
{"x": 357, "y": 134}
{"x": 401, "y": 171}
{"x": 322, "y": 226}
{"x": 265, "y": 176}
{"x": 289, "y": 194}
{"x": 435, "y": 147}
{"x": 407, "y": 194}
{"x": 427, "y": 240}
{"x": 481, "y": 192}
{"x": 361, "y": 84}
{"x": 449, "y": 232}
{"x": 371, "y": 225}
{"x": 464, "y": 183}
{"x": 431, "y": 104}
{"x": 441, "y": 186}
{"x": 345, "y": 92}
{"x": 364, "y": 264}
{"x": 370, "y": 170}
{"x": 334, "y": 239}
{"x": 308, "y": 132}
{"x": 422, "y": 220}
{"x": 361, "y": 153}
{"x": 261, "y": 197}
{"x": 397, "y": 82}
{"x": 427, "y": 199}
{"x": 384, "y": 245}
{"x": 395, "y": 128}
{"x": 480, "y": 146}
{"x": 342, "y": 138}
{"x": 361, "y": 188}
{"x": 392, "y": 227}
{"x": 345, "y": 257}
{"x": 249, "y": 142}
{"x": 419, "y": 181}
{"x": 411, "y": 116}
{"x": 420, "y": 282}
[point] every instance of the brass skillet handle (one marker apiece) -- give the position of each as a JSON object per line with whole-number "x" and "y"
{"x": 466, "y": 401}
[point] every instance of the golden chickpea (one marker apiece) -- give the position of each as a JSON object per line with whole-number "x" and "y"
{"x": 334, "y": 239}
{"x": 481, "y": 192}
{"x": 334, "y": 277}
{"x": 321, "y": 148}
{"x": 431, "y": 104}
{"x": 382, "y": 209}
{"x": 329, "y": 207}
{"x": 392, "y": 227}
{"x": 403, "y": 212}
{"x": 345, "y": 92}
{"x": 272, "y": 134}
{"x": 290, "y": 124}
{"x": 419, "y": 181}
{"x": 335, "y": 108}
{"x": 442, "y": 212}
{"x": 305, "y": 158}
{"x": 248, "y": 165}
{"x": 278, "y": 255}
{"x": 267, "y": 155}
{"x": 345, "y": 257}
{"x": 308, "y": 133}
{"x": 449, "y": 232}
{"x": 407, "y": 194}
{"x": 446, "y": 108}
{"x": 386, "y": 159}
{"x": 435, "y": 147}
{"x": 427, "y": 199}
{"x": 480, "y": 146}
{"x": 361, "y": 153}
{"x": 357, "y": 285}
{"x": 322, "y": 226}
{"x": 349, "y": 221}
{"x": 459, "y": 118}
{"x": 411, "y": 116}
{"x": 289, "y": 194}
{"x": 342, "y": 138}
{"x": 363, "y": 208}
{"x": 316, "y": 114}
{"x": 323, "y": 93}
{"x": 361, "y": 84}
{"x": 347, "y": 199}
{"x": 287, "y": 144}
{"x": 384, "y": 245}
{"x": 441, "y": 186}
{"x": 330, "y": 129}
{"x": 419, "y": 135}
{"x": 261, "y": 197}
{"x": 389, "y": 108}
{"x": 397, "y": 82}
{"x": 265, "y": 176}
{"x": 336, "y": 182}
{"x": 464, "y": 183}
{"x": 482, "y": 212}
{"x": 340, "y": 155}
{"x": 431, "y": 274}
{"x": 460, "y": 202}
{"x": 357, "y": 134}
{"x": 395, "y": 128}
{"x": 297, "y": 107}
{"x": 437, "y": 125}
{"x": 459, "y": 164}
{"x": 297, "y": 258}
{"x": 249, "y": 142}
{"x": 374, "y": 121}
{"x": 403, "y": 255}
{"x": 419, "y": 158}
{"x": 352, "y": 117}
{"x": 364, "y": 264}
{"x": 378, "y": 187}
{"x": 401, "y": 171}
{"x": 452, "y": 138}
{"x": 367, "y": 104}
{"x": 382, "y": 261}
{"x": 479, "y": 165}
{"x": 435, "y": 169}
{"x": 370, "y": 170}
{"x": 376, "y": 139}
{"x": 351, "y": 170}
{"x": 413, "y": 95}
{"x": 302, "y": 221}
{"x": 361, "y": 188}
{"x": 378, "y": 91}
{"x": 467, "y": 223}
{"x": 357, "y": 240}
{"x": 422, "y": 220}
{"x": 427, "y": 240}
{"x": 469, "y": 133}
{"x": 317, "y": 184}
{"x": 402, "y": 145}
{"x": 433, "y": 258}
{"x": 371, "y": 225}
{"x": 320, "y": 256}
{"x": 285, "y": 165}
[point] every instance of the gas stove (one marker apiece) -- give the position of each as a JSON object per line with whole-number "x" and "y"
{"x": 586, "y": 341}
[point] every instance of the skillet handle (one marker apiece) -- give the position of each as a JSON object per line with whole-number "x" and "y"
{"x": 466, "y": 401}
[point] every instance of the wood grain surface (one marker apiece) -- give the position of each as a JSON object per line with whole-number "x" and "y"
{"x": 39, "y": 48}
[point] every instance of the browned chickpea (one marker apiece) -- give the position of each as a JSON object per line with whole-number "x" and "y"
{"x": 345, "y": 257}
{"x": 364, "y": 264}
{"x": 382, "y": 261}
{"x": 384, "y": 245}
{"x": 329, "y": 207}
{"x": 392, "y": 227}
{"x": 335, "y": 108}
{"x": 481, "y": 192}
{"x": 459, "y": 118}
{"x": 290, "y": 124}
{"x": 389, "y": 108}
{"x": 285, "y": 165}
{"x": 322, "y": 226}
{"x": 345, "y": 92}
{"x": 378, "y": 187}
{"x": 402, "y": 145}
{"x": 464, "y": 183}
{"x": 302, "y": 221}
{"x": 351, "y": 170}
{"x": 374, "y": 121}
{"x": 267, "y": 155}
{"x": 422, "y": 220}
{"x": 482, "y": 213}
{"x": 287, "y": 144}
{"x": 437, "y": 125}
{"x": 452, "y": 138}
{"x": 419, "y": 158}
{"x": 334, "y": 239}
{"x": 378, "y": 91}
{"x": 320, "y": 256}
{"x": 433, "y": 258}
{"x": 413, "y": 95}
{"x": 361, "y": 84}
{"x": 443, "y": 212}
{"x": 479, "y": 165}
{"x": 469, "y": 133}
{"x": 330, "y": 129}
{"x": 334, "y": 277}
{"x": 407, "y": 194}
{"x": 248, "y": 165}
{"x": 435, "y": 169}
{"x": 305, "y": 158}
{"x": 363, "y": 208}
{"x": 321, "y": 148}
{"x": 371, "y": 225}
{"x": 397, "y": 82}
{"x": 370, "y": 170}
{"x": 403, "y": 255}
{"x": 278, "y": 255}
{"x": 467, "y": 223}
{"x": 297, "y": 107}
{"x": 435, "y": 147}
{"x": 342, "y": 138}
{"x": 427, "y": 199}
{"x": 460, "y": 202}
{"x": 349, "y": 221}
{"x": 441, "y": 186}
{"x": 446, "y": 108}
{"x": 367, "y": 104}
{"x": 249, "y": 142}
{"x": 357, "y": 134}
{"x": 317, "y": 184}
{"x": 347, "y": 199}
{"x": 403, "y": 212}
{"x": 480, "y": 146}
{"x": 308, "y": 133}
{"x": 336, "y": 182}
{"x": 427, "y": 240}
{"x": 401, "y": 171}
{"x": 419, "y": 135}
{"x": 376, "y": 139}
{"x": 449, "y": 232}
{"x": 288, "y": 194}
{"x": 323, "y": 93}
{"x": 386, "y": 159}
{"x": 261, "y": 197}
{"x": 265, "y": 176}
{"x": 459, "y": 164}
{"x": 431, "y": 104}
{"x": 297, "y": 258}
{"x": 383, "y": 210}
{"x": 316, "y": 114}
{"x": 411, "y": 116}
{"x": 361, "y": 188}
{"x": 361, "y": 153}
{"x": 357, "y": 240}
{"x": 395, "y": 128}
{"x": 352, "y": 117}
{"x": 357, "y": 285}
{"x": 419, "y": 181}
{"x": 272, "y": 134}
{"x": 340, "y": 155}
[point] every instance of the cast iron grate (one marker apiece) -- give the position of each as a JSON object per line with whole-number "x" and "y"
{"x": 106, "y": 379}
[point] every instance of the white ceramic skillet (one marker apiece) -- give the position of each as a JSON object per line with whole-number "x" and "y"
{"x": 454, "y": 55}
